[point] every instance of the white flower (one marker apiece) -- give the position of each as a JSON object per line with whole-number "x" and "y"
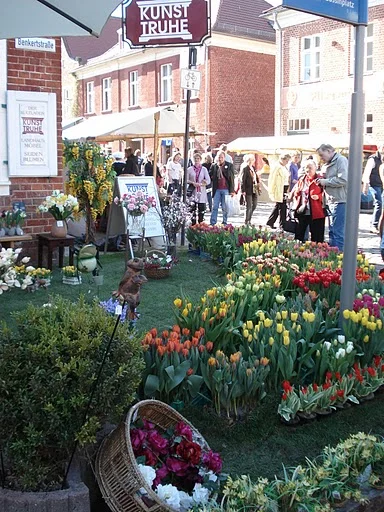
{"x": 340, "y": 353}
{"x": 186, "y": 501}
{"x": 280, "y": 299}
{"x": 327, "y": 345}
{"x": 200, "y": 494}
{"x": 148, "y": 473}
{"x": 169, "y": 494}
{"x": 341, "y": 339}
{"x": 350, "y": 347}
{"x": 25, "y": 260}
{"x": 30, "y": 268}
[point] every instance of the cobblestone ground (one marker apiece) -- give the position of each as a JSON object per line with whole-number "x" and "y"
{"x": 367, "y": 242}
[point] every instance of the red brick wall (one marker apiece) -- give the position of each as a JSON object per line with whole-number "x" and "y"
{"x": 247, "y": 103}
{"x": 40, "y": 72}
{"x": 331, "y": 107}
{"x": 242, "y": 89}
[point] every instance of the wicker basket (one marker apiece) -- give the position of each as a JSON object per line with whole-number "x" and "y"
{"x": 153, "y": 272}
{"x": 117, "y": 473}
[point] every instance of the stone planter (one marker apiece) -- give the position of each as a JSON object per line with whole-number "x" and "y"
{"x": 74, "y": 499}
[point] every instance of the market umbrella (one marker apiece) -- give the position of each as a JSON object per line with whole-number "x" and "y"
{"x": 36, "y": 18}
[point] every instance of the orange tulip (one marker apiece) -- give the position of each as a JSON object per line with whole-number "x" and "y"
{"x": 201, "y": 348}
{"x": 185, "y": 331}
{"x": 176, "y": 328}
{"x": 209, "y": 346}
{"x": 171, "y": 346}
{"x": 161, "y": 350}
{"x": 202, "y": 331}
{"x": 158, "y": 341}
{"x": 197, "y": 334}
{"x": 195, "y": 342}
{"x": 165, "y": 334}
{"x": 190, "y": 372}
{"x": 153, "y": 332}
{"x": 185, "y": 352}
{"x": 187, "y": 344}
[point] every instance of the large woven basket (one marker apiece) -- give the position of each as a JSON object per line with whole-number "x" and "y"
{"x": 117, "y": 473}
{"x": 159, "y": 272}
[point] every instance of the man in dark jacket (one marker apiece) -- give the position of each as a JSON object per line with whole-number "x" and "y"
{"x": 223, "y": 184}
{"x": 373, "y": 183}
{"x": 131, "y": 166}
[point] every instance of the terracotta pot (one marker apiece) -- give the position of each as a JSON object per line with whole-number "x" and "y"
{"x": 59, "y": 229}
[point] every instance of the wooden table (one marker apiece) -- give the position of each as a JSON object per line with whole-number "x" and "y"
{"x": 52, "y": 243}
{"x": 9, "y": 241}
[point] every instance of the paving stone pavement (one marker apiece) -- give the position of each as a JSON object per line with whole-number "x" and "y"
{"x": 368, "y": 242}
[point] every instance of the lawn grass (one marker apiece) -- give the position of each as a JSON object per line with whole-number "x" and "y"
{"x": 257, "y": 446}
{"x": 191, "y": 277}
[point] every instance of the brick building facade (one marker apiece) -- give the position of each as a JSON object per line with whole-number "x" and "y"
{"x": 237, "y": 65}
{"x": 35, "y": 71}
{"x": 314, "y": 77}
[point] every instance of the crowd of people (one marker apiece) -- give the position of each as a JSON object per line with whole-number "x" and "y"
{"x": 308, "y": 190}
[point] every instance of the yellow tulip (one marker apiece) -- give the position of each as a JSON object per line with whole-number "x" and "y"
{"x": 278, "y": 316}
{"x": 284, "y": 315}
{"x": 267, "y": 323}
{"x": 271, "y": 341}
{"x": 245, "y": 333}
{"x": 346, "y": 314}
{"x": 185, "y": 312}
{"x": 366, "y": 338}
{"x": 178, "y": 303}
{"x": 250, "y": 338}
{"x": 286, "y": 342}
{"x": 249, "y": 324}
{"x": 311, "y": 317}
{"x": 279, "y": 328}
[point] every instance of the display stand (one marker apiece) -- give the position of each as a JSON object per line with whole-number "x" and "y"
{"x": 119, "y": 221}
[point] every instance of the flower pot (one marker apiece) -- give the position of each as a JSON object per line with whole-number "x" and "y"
{"x": 306, "y": 416}
{"x": 98, "y": 280}
{"x": 12, "y": 231}
{"x": 2, "y": 232}
{"x": 59, "y": 229}
{"x": 19, "y": 231}
{"x": 291, "y": 423}
{"x": 324, "y": 412}
{"x": 366, "y": 398}
{"x": 73, "y": 280}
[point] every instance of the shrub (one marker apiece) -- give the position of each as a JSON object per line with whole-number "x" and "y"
{"x": 47, "y": 368}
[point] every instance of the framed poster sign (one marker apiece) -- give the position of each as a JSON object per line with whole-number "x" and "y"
{"x": 119, "y": 222}
{"x": 32, "y": 133}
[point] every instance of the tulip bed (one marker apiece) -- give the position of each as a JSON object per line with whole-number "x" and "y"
{"x": 275, "y": 320}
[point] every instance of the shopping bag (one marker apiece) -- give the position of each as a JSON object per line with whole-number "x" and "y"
{"x": 233, "y": 205}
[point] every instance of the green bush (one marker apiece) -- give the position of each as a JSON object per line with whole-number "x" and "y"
{"x": 47, "y": 368}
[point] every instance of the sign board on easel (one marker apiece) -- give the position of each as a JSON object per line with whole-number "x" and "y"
{"x": 119, "y": 221}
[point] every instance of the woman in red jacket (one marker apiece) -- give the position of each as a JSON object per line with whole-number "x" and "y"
{"x": 308, "y": 206}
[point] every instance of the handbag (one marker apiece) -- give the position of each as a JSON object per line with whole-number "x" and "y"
{"x": 190, "y": 189}
{"x": 290, "y": 222}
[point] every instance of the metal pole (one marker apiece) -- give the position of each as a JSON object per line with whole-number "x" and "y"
{"x": 191, "y": 63}
{"x": 348, "y": 287}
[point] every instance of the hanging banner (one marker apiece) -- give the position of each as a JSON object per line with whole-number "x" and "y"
{"x": 354, "y": 12}
{"x": 151, "y": 23}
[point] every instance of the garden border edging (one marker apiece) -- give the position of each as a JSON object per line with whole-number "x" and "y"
{"x": 73, "y": 499}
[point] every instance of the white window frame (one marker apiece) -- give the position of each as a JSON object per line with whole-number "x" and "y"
{"x": 107, "y": 94}
{"x": 90, "y": 97}
{"x": 133, "y": 88}
{"x": 368, "y": 49}
{"x": 368, "y": 125}
{"x": 299, "y": 125}
{"x": 166, "y": 83}
{"x": 311, "y": 73}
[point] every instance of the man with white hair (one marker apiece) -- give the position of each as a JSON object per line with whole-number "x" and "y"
{"x": 335, "y": 170}
{"x": 373, "y": 183}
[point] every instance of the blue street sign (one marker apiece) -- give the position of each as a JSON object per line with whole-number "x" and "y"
{"x": 354, "y": 12}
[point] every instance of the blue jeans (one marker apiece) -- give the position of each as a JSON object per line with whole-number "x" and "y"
{"x": 337, "y": 225}
{"x": 377, "y": 193}
{"x": 218, "y": 198}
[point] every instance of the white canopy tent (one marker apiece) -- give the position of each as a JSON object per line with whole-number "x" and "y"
{"x": 37, "y": 18}
{"x": 128, "y": 125}
{"x": 276, "y": 144}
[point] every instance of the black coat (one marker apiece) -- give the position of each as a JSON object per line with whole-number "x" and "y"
{"x": 247, "y": 181}
{"x": 228, "y": 173}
